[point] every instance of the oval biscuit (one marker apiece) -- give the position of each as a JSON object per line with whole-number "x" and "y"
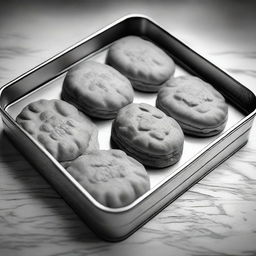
{"x": 199, "y": 108}
{"x": 147, "y": 134}
{"x": 97, "y": 89}
{"x": 146, "y": 65}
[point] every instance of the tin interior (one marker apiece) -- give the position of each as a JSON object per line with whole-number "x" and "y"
{"x": 192, "y": 145}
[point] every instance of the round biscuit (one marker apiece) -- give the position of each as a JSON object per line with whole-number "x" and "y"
{"x": 111, "y": 177}
{"x": 64, "y": 131}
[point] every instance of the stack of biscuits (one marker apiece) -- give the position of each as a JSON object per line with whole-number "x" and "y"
{"x": 143, "y": 135}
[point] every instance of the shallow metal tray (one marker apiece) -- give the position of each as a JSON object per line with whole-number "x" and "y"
{"x": 199, "y": 156}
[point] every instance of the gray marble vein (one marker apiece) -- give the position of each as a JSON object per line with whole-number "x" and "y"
{"x": 246, "y": 55}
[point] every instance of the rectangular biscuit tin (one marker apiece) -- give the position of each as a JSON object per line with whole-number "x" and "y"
{"x": 200, "y": 156}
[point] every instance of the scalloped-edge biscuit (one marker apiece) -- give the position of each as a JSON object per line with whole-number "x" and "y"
{"x": 64, "y": 131}
{"x": 97, "y": 89}
{"x": 114, "y": 179}
{"x": 197, "y": 106}
{"x": 146, "y": 65}
{"x": 149, "y": 135}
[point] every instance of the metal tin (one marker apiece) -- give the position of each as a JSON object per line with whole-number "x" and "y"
{"x": 200, "y": 156}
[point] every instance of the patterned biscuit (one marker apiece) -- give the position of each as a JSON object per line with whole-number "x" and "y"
{"x": 147, "y": 134}
{"x": 196, "y": 105}
{"x": 111, "y": 177}
{"x": 97, "y": 89}
{"x": 146, "y": 65}
{"x": 64, "y": 131}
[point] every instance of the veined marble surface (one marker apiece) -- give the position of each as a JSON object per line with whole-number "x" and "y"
{"x": 217, "y": 216}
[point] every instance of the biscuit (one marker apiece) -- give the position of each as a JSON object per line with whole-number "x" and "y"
{"x": 146, "y": 65}
{"x": 97, "y": 89}
{"x": 147, "y": 134}
{"x": 64, "y": 131}
{"x": 111, "y": 177}
{"x": 199, "y": 108}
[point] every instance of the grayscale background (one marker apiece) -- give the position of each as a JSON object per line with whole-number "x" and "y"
{"x": 215, "y": 217}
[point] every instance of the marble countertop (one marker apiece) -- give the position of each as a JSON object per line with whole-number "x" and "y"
{"x": 217, "y": 216}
